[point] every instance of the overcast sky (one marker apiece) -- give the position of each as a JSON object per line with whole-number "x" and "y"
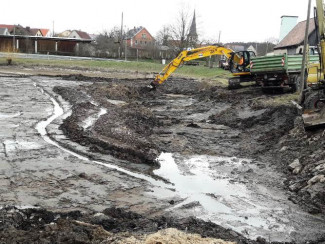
{"x": 238, "y": 20}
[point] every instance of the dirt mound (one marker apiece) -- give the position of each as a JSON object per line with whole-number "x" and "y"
{"x": 112, "y": 226}
{"x": 80, "y": 77}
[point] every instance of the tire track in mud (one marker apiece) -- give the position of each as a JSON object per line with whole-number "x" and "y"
{"x": 57, "y": 112}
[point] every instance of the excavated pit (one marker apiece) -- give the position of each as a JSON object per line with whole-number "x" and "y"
{"x": 199, "y": 134}
{"x": 188, "y": 119}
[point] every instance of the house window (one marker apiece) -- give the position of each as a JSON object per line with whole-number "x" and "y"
{"x": 136, "y": 41}
{"x": 144, "y": 36}
{"x": 140, "y": 42}
{"x": 145, "y": 42}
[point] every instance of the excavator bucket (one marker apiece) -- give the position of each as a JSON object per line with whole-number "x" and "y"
{"x": 314, "y": 119}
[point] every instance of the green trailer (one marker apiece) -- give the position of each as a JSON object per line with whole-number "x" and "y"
{"x": 279, "y": 71}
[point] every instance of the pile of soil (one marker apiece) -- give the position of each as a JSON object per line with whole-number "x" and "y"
{"x": 113, "y": 225}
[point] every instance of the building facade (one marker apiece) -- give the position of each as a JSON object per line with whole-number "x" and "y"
{"x": 140, "y": 42}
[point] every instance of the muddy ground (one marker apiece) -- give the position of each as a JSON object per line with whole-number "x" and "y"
{"x": 181, "y": 115}
{"x": 95, "y": 170}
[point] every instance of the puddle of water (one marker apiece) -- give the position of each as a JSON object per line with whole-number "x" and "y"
{"x": 92, "y": 119}
{"x": 116, "y": 102}
{"x": 13, "y": 145}
{"x": 226, "y": 202}
{"x": 247, "y": 113}
{"x": 198, "y": 185}
{"x": 9, "y": 115}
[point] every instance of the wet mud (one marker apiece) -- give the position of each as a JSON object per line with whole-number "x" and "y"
{"x": 225, "y": 137}
{"x": 184, "y": 117}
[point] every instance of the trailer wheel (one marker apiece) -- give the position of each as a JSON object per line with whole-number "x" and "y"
{"x": 296, "y": 85}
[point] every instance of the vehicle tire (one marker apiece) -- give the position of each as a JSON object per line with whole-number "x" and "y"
{"x": 312, "y": 100}
{"x": 296, "y": 85}
{"x": 233, "y": 83}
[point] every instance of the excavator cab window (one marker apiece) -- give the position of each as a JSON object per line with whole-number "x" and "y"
{"x": 243, "y": 66}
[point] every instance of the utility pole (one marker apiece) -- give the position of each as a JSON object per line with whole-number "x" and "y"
{"x": 137, "y": 55}
{"x": 125, "y": 48}
{"x": 121, "y": 38}
{"x": 303, "y": 66}
{"x": 14, "y": 40}
{"x": 53, "y": 29}
{"x": 216, "y": 58}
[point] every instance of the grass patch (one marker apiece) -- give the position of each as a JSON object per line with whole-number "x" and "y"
{"x": 202, "y": 72}
{"x": 277, "y": 100}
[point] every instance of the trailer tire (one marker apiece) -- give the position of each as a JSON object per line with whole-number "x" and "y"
{"x": 296, "y": 85}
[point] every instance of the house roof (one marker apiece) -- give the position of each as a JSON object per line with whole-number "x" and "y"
{"x": 3, "y": 31}
{"x": 83, "y": 35}
{"x": 131, "y": 33}
{"x": 44, "y": 31}
{"x": 297, "y": 35}
{"x": 24, "y": 31}
{"x": 10, "y": 27}
{"x": 65, "y": 33}
{"x": 33, "y": 31}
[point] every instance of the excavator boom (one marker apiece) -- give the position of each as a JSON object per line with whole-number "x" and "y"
{"x": 188, "y": 55}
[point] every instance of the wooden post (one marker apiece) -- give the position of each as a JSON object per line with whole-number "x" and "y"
{"x": 35, "y": 46}
{"x": 121, "y": 38}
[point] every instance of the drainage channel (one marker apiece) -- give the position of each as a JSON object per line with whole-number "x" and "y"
{"x": 57, "y": 112}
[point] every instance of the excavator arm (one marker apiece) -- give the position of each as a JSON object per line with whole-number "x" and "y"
{"x": 188, "y": 55}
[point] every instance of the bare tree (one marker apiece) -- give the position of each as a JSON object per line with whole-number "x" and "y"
{"x": 179, "y": 31}
{"x": 175, "y": 35}
{"x": 164, "y": 35}
{"x": 107, "y": 43}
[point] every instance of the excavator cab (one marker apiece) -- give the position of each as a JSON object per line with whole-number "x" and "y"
{"x": 243, "y": 65}
{"x": 240, "y": 68}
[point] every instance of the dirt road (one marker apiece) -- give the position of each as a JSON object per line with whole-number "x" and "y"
{"x": 89, "y": 144}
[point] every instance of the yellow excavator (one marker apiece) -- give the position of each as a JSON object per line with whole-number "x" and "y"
{"x": 314, "y": 102}
{"x": 238, "y": 62}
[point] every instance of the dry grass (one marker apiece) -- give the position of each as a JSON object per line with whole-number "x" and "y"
{"x": 121, "y": 92}
{"x": 167, "y": 236}
{"x": 276, "y": 100}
